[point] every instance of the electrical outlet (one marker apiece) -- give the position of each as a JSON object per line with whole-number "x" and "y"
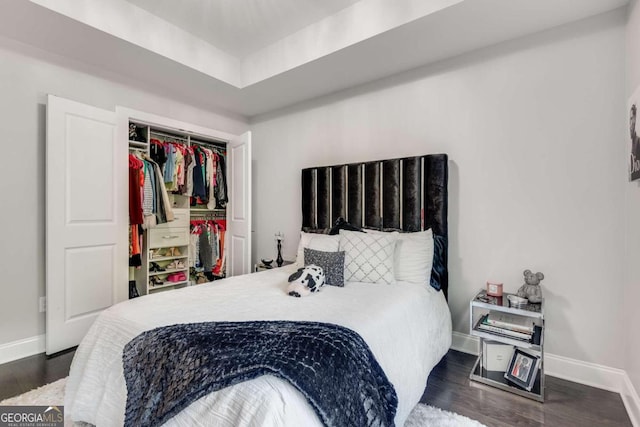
{"x": 42, "y": 303}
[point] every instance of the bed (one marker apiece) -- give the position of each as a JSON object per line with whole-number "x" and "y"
{"x": 407, "y": 326}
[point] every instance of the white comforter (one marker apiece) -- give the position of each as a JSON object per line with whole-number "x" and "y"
{"x": 407, "y": 327}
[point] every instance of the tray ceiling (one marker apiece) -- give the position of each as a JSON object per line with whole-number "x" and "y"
{"x": 240, "y": 27}
{"x": 251, "y": 57}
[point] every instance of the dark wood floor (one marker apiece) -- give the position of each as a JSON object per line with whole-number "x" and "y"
{"x": 566, "y": 404}
{"x": 32, "y": 372}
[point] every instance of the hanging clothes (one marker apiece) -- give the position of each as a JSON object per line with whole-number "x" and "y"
{"x": 206, "y": 257}
{"x": 150, "y": 202}
{"x": 199, "y": 188}
{"x": 148, "y": 199}
{"x": 157, "y": 152}
{"x": 163, "y": 198}
{"x": 193, "y": 248}
{"x": 169, "y": 166}
{"x": 135, "y": 194}
{"x": 187, "y": 188}
{"x": 150, "y": 173}
{"x": 162, "y": 207}
{"x": 219, "y": 268}
{"x": 221, "y": 184}
{"x": 211, "y": 179}
{"x": 206, "y": 247}
{"x": 179, "y": 173}
{"x": 214, "y": 238}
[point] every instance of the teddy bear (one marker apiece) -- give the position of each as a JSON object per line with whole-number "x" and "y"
{"x": 306, "y": 280}
{"x": 531, "y": 288}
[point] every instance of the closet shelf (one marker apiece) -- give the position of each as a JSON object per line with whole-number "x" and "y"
{"x": 138, "y": 144}
{"x": 168, "y": 285}
{"x": 167, "y": 258}
{"x": 160, "y": 273}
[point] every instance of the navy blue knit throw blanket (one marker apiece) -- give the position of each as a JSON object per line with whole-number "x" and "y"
{"x": 168, "y": 368}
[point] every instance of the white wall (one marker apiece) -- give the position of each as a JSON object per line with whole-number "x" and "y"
{"x": 533, "y": 131}
{"x": 632, "y": 210}
{"x": 27, "y": 75}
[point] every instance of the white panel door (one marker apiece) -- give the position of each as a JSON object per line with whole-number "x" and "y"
{"x": 238, "y": 236}
{"x": 87, "y": 236}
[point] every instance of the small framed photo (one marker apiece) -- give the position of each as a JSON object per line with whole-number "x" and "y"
{"x": 523, "y": 369}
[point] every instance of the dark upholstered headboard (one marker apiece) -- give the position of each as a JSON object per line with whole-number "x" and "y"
{"x": 408, "y": 194}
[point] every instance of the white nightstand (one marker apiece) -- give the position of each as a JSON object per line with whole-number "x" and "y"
{"x": 492, "y": 332}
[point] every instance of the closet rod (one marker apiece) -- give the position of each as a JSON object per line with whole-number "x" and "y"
{"x": 207, "y": 218}
{"x": 213, "y": 145}
{"x": 166, "y": 135}
{"x": 208, "y": 215}
{"x": 209, "y": 144}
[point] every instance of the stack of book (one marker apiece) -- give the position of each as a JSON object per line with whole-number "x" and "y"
{"x": 508, "y": 325}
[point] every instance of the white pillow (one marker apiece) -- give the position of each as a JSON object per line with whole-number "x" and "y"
{"x": 413, "y": 257}
{"x": 368, "y": 257}
{"x": 319, "y": 242}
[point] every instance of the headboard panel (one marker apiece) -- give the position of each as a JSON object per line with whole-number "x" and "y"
{"x": 436, "y": 177}
{"x": 391, "y": 195}
{"x": 371, "y": 195}
{"x": 323, "y": 189}
{"x": 411, "y": 192}
{"x": 408, "y": 194}
{"x": 309, "y": 198}
{"x": 339, "y": 192}
{"x": 354, "y": 193}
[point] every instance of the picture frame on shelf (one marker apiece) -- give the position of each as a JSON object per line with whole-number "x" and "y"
{"x": 494, "y": 289}
{"x": 523, "y": 369}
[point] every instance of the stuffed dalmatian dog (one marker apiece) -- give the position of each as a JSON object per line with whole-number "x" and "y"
{"x": 306, "y": 280}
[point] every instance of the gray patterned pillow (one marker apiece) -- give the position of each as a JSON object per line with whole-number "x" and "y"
{"x": 331, "y": 262}
{"x": 368, "y": 257}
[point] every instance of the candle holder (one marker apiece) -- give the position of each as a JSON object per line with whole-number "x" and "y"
{"x": 279, "y": 239}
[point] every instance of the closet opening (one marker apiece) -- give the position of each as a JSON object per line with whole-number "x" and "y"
{"x": 179, "y": 197}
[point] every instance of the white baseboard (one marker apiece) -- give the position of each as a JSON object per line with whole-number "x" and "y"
{"x": 22, "y": 348}
{"x": 586, "y": 373}
{"x": 631, "y": 401}
{"x": 591, "y": 374}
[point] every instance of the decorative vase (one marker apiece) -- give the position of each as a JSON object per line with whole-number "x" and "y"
{"x": 279, "y": 260}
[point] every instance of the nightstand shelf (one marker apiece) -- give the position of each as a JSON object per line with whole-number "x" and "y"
{"x": 500, "y": 304}
{"x": 496, "y": 379}
{"x": 514, "y": 342}
{"x": 480, "y": 306}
